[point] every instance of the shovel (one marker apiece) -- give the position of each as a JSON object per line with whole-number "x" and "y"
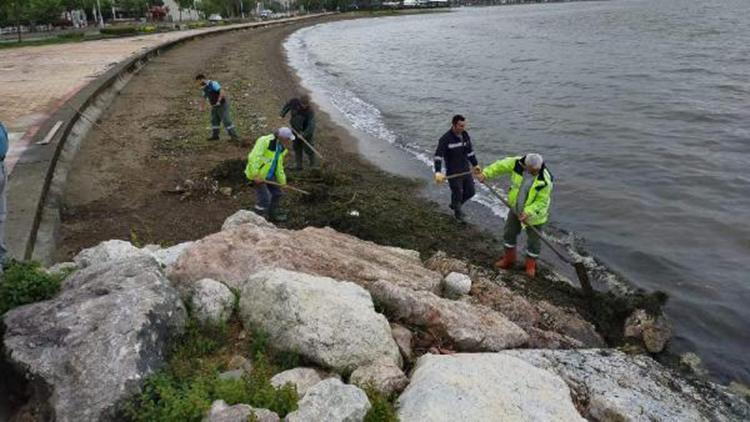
{"x": 583, "y": 276}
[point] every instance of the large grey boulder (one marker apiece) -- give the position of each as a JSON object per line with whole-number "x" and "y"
{"x": 168, "y": 256}
{"x": 246, "y": 217}
{"x": 331, "y": 323}
{"x": 468, "y": 327}
{"x": 484, "y": 387}
{"x": 222, "y": 412}
{"x": 108, "y": 251}
{"x": 212, "y": 301}
{"x": 615, "y": 386}
{"x": 301, "y": 378}
{"x": 91, "y": 346}
{"x": 230, "y": 256}
{"x": 331, "y": 401}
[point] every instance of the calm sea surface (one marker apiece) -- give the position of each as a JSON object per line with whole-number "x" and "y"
{"x": 641, "y": 109}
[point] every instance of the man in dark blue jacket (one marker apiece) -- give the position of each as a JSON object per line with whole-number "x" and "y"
{"x": 454, "y": 150}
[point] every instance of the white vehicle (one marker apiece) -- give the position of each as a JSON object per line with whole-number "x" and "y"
{"x": 410, "y": 3}
{"x": 265, "y": 14}
{"x": 215, "y": 18}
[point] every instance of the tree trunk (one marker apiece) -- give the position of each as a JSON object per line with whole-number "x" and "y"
{"x": 18, "y": 20}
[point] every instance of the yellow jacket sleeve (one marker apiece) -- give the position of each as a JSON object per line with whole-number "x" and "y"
{"x": 500, "y": 167}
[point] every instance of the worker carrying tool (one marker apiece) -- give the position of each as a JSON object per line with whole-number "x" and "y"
{"x": 219, "y": 108}
{"x": 302, "y": 120}
{"x": 265, "y": 169}
{"x": 455, "y": 151}
{"x": 530, "y": 194}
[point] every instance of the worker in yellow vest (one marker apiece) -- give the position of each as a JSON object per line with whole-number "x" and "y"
{"x": 531, "y": 195}
{"x": 265, "y": 163}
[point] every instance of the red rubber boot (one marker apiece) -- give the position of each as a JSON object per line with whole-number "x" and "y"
{"x": 530, "y": 267}
{"x": 508, "y": 259}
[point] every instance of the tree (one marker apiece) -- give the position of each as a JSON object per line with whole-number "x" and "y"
{"x": 44, "y": 11}
{"x": 184, "y": 4}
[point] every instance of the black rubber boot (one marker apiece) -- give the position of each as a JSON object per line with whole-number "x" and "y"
{"x": 275, "y": 214}
{"x": 214, "y": 135}
{"x": 458, "y": 214}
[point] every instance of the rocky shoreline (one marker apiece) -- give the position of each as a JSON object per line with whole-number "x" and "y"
{"x": 360, "y": 315}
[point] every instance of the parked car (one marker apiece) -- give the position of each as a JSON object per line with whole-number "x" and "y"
{"x": 266, "y": 14}
{"x": 215, "y": 18}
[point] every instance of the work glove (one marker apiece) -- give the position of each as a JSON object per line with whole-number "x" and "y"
{"x": 481, "y": 177}
{"x": 477, "y": 170}
{"x": 439, "y": 178}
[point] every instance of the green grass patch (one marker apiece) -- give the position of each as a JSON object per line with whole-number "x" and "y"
{"x": 26, "y": 282}
{"x": 185, "y": 389}
{"x": 382, "y": 409}
{"x": 120, "y": 30}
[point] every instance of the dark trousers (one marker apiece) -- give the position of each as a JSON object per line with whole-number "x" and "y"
{"x": 219, "y": 115}
{"x": 301, "y": 148}
{"x": 513, "y": 228}
{"x": 267, "y": 198}
{"x": 462, "y": 189}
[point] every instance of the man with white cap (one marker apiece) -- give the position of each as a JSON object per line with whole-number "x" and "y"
{"x": 265, "y": 163}
{"x": 531, "y": 194}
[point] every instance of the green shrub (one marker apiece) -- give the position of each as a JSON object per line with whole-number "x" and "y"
{"x": 197, "y": 342}
{"x": 185, "y": 389}
{"x": 71, "y": 36}
{"x": 119, "y": 30}
{"x": 382, "y": 409}
{"x": 26, "y": 282}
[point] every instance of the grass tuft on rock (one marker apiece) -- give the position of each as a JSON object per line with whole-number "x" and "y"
{"x": 26, "y": 282}
{"x": 382, "y": 409}
{"x": 185, "y": 389}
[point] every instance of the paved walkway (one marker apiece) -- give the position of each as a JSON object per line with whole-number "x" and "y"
{"x": 36, "y": 81}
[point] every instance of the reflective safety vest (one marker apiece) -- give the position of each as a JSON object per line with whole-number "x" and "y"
{"x": 540, "y": 195}
{"x": 260, "y": 159}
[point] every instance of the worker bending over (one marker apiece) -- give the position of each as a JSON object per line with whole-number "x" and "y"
{"x": 530, "y": 193}
{"x": 265, "y": 169}
{"x": 302, "y": 120}
{"x": 219, "y": 108}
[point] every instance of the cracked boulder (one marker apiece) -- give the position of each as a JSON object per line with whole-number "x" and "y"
{"x": 90, "y": 347}
{"x": 232, "y": 255}
{"x": 329, "y": 322}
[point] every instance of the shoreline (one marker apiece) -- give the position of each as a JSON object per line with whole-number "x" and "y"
{"x": 128, "y": 198}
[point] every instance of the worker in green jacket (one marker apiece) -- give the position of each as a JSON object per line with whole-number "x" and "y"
{"x": 531, "y": 193}
{"x": 265, "y": 163}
